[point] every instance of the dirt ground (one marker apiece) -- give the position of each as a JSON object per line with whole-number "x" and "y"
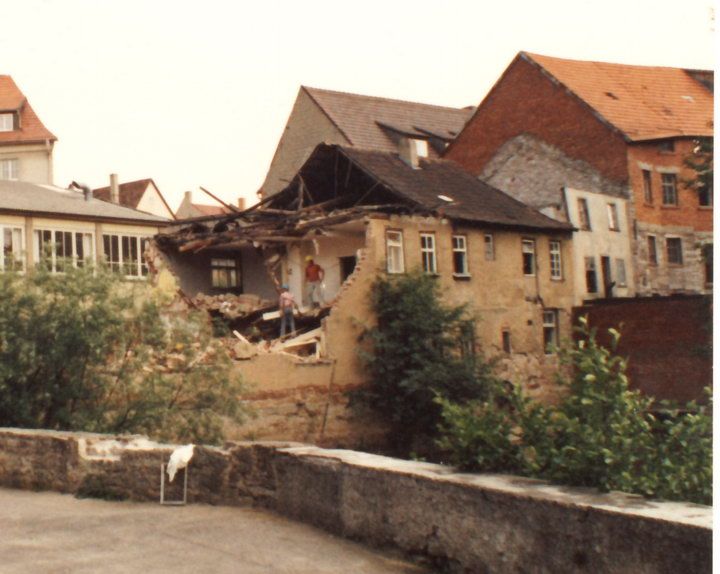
{"x": 55, "y": 533}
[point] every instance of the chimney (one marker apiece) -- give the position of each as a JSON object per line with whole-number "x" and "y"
{"x": 188, "y": 197}
{"x": 408, "y": 152}
{"x": 114, "y": 188}
{"x": 87, "y": 192}
{"x": 241, "y": 203}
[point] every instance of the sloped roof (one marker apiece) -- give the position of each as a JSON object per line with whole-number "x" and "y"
{"x": 31, "y": 128}
{"x": 472, "y": 199}
{"x": 362, "y": 118}
{"x": 643, "y": 102}
{"x": 130, "y": 193}
{"x": 20, "y": 196}
{"x": 206, "y": 209}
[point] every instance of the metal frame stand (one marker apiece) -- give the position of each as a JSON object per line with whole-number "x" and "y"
{"x": 182, "y": 502}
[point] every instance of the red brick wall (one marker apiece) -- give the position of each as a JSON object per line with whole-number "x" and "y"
{"x": 526, "y": 100}
{"x": 666, "y": 339}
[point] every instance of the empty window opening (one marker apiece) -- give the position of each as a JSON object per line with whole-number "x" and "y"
{"x": 674, "y": 250}
{"x": 590, "y": 275}
{"x": 584, "y": 214}
{"x": 506, "y": 346}
{"x": 347, "y": 266}
{"x": 550, "y": 331}
{"x": 707, "y": 257}
{"x": 652, "y": 250}
{"x": 528, "y": 254}
{"x": 647, "y": 186}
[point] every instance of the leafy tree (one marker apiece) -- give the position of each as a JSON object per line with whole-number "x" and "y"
{"x": 701, "y": 163}
{"x": 84, "y": 350}
{"x": 419, "y": 349}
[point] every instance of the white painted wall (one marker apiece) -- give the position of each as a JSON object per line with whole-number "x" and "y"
{"x": 35, "y": 161}
{"x": 151, "y": 202}
{"x": 600, "y": 241}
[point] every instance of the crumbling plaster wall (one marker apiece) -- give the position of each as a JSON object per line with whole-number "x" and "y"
{"x": 467, "y": 522}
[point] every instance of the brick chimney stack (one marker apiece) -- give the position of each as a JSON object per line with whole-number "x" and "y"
{"x": 114, "y": 188}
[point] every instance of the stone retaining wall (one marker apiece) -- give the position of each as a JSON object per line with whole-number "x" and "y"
{"x": 471, "y": 523}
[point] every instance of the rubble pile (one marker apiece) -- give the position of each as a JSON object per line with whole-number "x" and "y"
{"x": 231, "y": 306}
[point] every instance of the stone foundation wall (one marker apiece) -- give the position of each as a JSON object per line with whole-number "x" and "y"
{"x": 471, "y": 523}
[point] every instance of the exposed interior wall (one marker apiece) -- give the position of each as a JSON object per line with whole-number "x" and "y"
{"x": 463, "y": 522}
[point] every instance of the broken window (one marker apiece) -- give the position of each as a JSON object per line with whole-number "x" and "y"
{"x": 669, "y": 189}
{"x": 427, "y": 252}
{"x": 647, "y": 186}
{"x": 460, "y": 261}
{"x": 124, "y": 254}
{"x": 674, "y": 250}
{"x": 613, "y": 223}
{"x": 590, "y": 275}
{"x": 584, "y": 214}
{"x": 550, "y": 330}
{"x": 225, "y": 273}
{"x": 489, "y": 247}
{"x": 11, "y": 249}
{"x": 652, "y": 250}
{"x": 528, "y": 254}
{"x": 555, "y": 260}
{"x": 394, "y": 247}
{"x": 57, "y": 250}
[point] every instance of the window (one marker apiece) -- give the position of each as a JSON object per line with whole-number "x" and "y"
{"x": 620, "y": 272}
{"x": 225, "y": 273}
{"x": 528, "y": 254}
{"x": 394, "y": 247}
{"x": 124, "y": 254}
{"x": 9, "y": 169}
{"x": 667, "y": 145}
{"x": 489, "y": 247}
{"x": 647, "y": 186}
{"x": 7, "y": 122}
{"x": 421, "y": 147}
{"x": 590, "y": 275}
{"x": 555, "y": 261}
{"x": 506, "y": 347}
{"x": 669, "y": 189}
{"x": 427, "y": 252}
{"x": 584, "y": 214}
{"x": 707, "y": 257}
{"x": 460, "y": 261}
{"x": 674, "y": 250}
{"x": 705, "y": 195}
{"x": 11, "y": 245}
{"x": 550, "y": 330}
{"x": 613, "y": 224}
{"x": 652, "y": 250}
{"x": 58, "y": 250}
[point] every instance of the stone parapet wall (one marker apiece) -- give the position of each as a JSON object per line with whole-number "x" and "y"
{"x": 471, "y": 523}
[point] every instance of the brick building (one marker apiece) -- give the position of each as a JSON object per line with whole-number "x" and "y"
{"x": 632, "y": 127}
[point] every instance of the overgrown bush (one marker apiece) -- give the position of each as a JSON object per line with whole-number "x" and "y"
{"x": 420, "y": 349}
{"x": 85, "y": 350}
{"x": 601, "y": 434}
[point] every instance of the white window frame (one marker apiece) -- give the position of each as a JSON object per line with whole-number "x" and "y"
{"x": 489, "y": 247}
{"x": 621, "y": 272}
{"x": 16, "y": 252}
{"x": 528, "y": 247}
{"x": 87, "y": 239}
{"x": 394, "y": 251}
{"x": 141, "y": 269}
{"x": 613, "y": 221}
{"x": 556, "y": 268}
{"x": 459, "y": 247}
{"x": 421, "y": 147}
{"x": 7, "y": 122}
{"x": 9, "y": 169}
{"x": 428, "y": 253}
{"x": 550, "y": 322}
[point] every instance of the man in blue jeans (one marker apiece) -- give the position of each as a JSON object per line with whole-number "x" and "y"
{"x": 287, "y": 303}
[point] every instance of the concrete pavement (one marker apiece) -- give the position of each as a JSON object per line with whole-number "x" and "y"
{"x": 47, "y": 532}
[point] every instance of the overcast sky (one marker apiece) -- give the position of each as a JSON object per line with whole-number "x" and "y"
{"x": 197, "y": 93}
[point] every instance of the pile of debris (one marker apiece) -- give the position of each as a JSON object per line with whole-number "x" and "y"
{"x": 307, "y": 346}
{"x": 232, "y": 306}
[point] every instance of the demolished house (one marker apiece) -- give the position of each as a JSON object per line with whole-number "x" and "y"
{"x": 361, "y": 214}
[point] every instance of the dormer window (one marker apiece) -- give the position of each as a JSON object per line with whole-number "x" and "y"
{"x": 7, "y": 122}
{"x": 421, "y": 147}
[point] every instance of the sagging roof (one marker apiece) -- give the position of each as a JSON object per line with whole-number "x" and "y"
{"x": 364, "y": 120}
{"x": 131, "y": 193}
{"x": 643, "y": 102}
{"x": 29, "y": 127}
{"x": 48, "y": 200}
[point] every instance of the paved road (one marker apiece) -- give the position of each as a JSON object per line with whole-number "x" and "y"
{"x": 42, "y": 532}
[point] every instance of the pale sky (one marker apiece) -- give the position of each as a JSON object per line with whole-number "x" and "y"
{"x": 197, "y": 93}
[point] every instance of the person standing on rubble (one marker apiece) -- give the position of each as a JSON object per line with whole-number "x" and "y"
{"x": 314, "y": 275}
{"x": 287, "y": 303}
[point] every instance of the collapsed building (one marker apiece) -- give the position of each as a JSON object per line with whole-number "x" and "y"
{"x": 361, "y": 214}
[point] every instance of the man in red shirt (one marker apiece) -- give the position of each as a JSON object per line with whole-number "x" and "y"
{"x": 314, "y": 275}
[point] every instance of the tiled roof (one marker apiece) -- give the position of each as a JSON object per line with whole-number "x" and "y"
{"x": 364, "y": 120}
{"x": 130, "y": 193}
{"x": 21, "y": 196}
{"x": 205, "y": 209}
{"x": 31, "y": 128}
{"x": 643, "y": 102}
{"x": 473, "y": 200}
